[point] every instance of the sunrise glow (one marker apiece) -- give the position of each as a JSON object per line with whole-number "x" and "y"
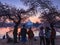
{"x": 34, "y": 19}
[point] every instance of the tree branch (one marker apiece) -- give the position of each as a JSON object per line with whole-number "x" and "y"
{"x": 11, "y": 19}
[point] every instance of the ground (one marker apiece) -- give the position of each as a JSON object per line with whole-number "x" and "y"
{"x": 3, "y": 42}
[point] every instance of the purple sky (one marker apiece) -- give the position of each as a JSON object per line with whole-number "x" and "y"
{"x": 56, "y": 3}
{"x": 18, "y": 3}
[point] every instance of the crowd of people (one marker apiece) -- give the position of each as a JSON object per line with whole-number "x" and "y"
{"x": 46, "y": 35}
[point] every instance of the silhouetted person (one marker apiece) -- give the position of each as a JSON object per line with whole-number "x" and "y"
{"x": 47, "y": 35}
{"x": 8, "y": 38}
{"x": 30, "y": 36}
{"x": 42, "y": 35}
{"x": 4, "y": 37}
{"x": 53, "y": 36}
{"x": 23, "y": 34}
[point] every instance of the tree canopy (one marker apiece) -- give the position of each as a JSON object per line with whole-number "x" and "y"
{"x": 45, "y": 7}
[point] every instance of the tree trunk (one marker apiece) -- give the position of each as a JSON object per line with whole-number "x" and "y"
{"x": 15, "y": 33}
{"x": 16, "y": 29}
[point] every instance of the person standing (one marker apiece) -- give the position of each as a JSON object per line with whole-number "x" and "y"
{"x": 4, "y": 37}
{"x": 53, "y": 36}
{"x": 8, "y": 38}
{"x": 23, "y": 34}
{"x": 30, "y": 36}
{"x": 47, "y": 35}
{"x": 42, "y": 35}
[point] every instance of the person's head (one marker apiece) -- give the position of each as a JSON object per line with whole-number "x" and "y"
{"x": 24, "y": 26}
{"x": 53, "y": 30}
{"x": 30, "y": 28}
{"x": 41, "y": 28}
{"x": 6, "y": 32}
{"x": 47, "y": 28}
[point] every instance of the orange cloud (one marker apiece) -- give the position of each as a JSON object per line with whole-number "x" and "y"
{"x": 34, "y": 19}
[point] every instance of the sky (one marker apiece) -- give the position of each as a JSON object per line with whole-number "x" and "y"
{"x": 19, "y": 4}
{"x": 57, "y": 3}
{"x": 16, "y": 3}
